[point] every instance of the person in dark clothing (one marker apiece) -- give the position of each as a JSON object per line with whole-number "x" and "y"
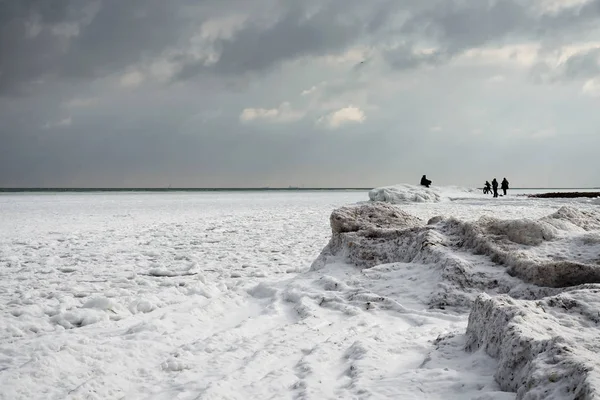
{"x": 495, "y": 187}
{"x": 425, "y": 182}
{"x": 487, "y": 188}
{"x": 504, "y": 185}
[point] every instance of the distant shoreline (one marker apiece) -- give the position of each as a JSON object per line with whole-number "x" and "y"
{"x": 564, "y": 195}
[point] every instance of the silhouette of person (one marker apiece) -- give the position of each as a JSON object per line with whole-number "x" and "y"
{"x": 487, "y": 188}
{"x": 504, "y": 185}
{"x": 495, "y": 187}
{"x": 425, "y": 182}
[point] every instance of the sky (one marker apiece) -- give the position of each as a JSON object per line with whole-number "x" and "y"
{"x": 327, "y": 93}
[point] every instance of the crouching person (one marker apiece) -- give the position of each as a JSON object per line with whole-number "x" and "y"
{"x": 425, "y": 182}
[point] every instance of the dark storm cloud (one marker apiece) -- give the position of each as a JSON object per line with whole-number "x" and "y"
{"x": 83, "y": 39}
{"x": 121, "y": 33}
{"x": 44, "y": 11}
{"x": 41, "y": 40}
{"x": 457, "y": 26}
{"x": 25, "y": 55}
{"x": 461, "y": 25}
{"x": 334, "y": 27}
{"x": 572, "y": 19}
{"x": 88, "y": 39}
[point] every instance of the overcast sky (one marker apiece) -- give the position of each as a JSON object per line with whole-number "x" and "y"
{"x": 320, "y": 93}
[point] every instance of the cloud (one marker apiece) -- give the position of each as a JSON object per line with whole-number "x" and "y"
{"x": 131, "y": 79}
{"x": 343, "y": 116}
{"x": 592, "y": 87}
{"x": 544, "y": 133}
{"x": 522, "y": 55}
{"x": 554, "y": 6}
{"x": 282, "y": 114}
{"x": 571, "y": 63}
{"x": 61, "y": 123}
{"x": 405, "y": 57}
{"x": 584, "y": 64}
{"x": 497, "y": 30}
{"x": 354, "y": 56}
{"x": 82, "y": 39}
{"x": 328, "y": 29}
{"x": 182, "y": 40}
{"x": 224, "y": 28}
{"x": 497, "y": 79}
{"x": 81, "y": 102}
{"x": 310, "y": 91}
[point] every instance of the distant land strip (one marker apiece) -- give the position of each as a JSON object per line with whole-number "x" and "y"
{"x": 565, "y": 195}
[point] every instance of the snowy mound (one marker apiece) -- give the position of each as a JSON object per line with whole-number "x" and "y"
{"x": 546, "y": 349}
{"x": 541, "y": 323}
{"x": 405, "y": 193}
{"x": 555, "y": 251}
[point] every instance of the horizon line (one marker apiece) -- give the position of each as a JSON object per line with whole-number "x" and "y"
{"x": 264, "y": 188}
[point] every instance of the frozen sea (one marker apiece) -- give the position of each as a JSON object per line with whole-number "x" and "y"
{"x": 209, "y": 295}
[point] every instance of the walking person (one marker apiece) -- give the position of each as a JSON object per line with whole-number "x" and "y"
{"x": 495, "y": 187}
{"x": 504, "y": 185}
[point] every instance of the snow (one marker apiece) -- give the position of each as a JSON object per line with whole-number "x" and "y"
{"x": 405, "y": 193}
{"x": 547, "y": 348}
{"x": 295, "y": 295}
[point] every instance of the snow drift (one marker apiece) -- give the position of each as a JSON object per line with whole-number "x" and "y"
{"x": 555, "y": 251}
{"x": 404, "y": 193}
{"x": 547, "y": 349}
{"x": 540, "y": 273}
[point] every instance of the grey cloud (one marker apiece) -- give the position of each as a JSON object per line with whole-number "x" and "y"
{"x": 114, "y": 35}
{"x": 111, "y": 35}
{"x": 123, "y": 32}
{"x": 583, "y": 65}
{"x": 461, "y": 25}
{"x": 405, "y": 57}
{"x": 29, "y": 49}
{"x": 44, "y": 11}
{"x": 572, "y": 19}
{"x": 456, "y": 26}
{"x": 21, "y": 56}
{"x": 333, "y": 28}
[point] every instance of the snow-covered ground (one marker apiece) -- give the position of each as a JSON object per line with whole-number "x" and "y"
{"x": 212, "y": 296}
